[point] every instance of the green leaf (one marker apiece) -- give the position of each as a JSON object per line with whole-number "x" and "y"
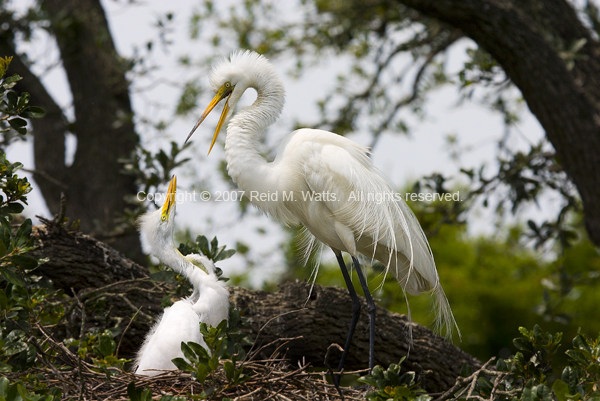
{"x": 224, "y": 254}
{"x": 33, "y": 112}
{"x": 12, "y": 79}
{"x": 580, "y": 342}
{"x": 527, "y": 393}
{"x": 14, "y": 348}
{"x": 561, "y": 390}
{"x": 23, "y": 100}
{"x": 4, "y": 383}
{"x": 200, "y": 351}
{"x": 188, "y": 353}
{"x": 576, "y": 356}
{"x": 18, "y": 124}
{"x": 24, "y": 232}
{"x": 201, "y": 373}
{"x": 11, "y": 277}
{"x": 134, "y": 393}
{"x": 13, "y": 208}
{"x": 501, "y": 365}
{"x": 107, "y": 345}
{"x": 203, "y": 244}
{"x": 569, "y": 376}
{"x": 465, "y": 370}
{"x": 222, "y": 326}
{"x": 214, "y": 245}
{"x": 229, "y": 370}
{"x": 3, "y": 305}
{"x": 182, "y": 365}
{"x": 523, "y": 345}
{"x": 24, "y": 262}
{"x": 542, "y": 392}
{"x": 167, "y": 276}
{"x": 12, "y": 99}
{"x": 537, "y": 332}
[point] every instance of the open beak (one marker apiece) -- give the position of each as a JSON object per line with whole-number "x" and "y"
{"x": 170, "y": 201}
{"x": 224, "y": 92}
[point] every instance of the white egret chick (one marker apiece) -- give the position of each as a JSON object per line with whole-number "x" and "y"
{"x": 209, "y": 302}
{"x": 325, "y": 182}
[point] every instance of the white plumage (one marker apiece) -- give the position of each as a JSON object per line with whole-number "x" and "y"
{"x": 337, "y": 193}
{"x": 209, "y": 302}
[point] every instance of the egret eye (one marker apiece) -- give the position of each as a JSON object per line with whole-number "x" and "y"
{"x": 228, "y": 84}
{"x": 163, "y": 218}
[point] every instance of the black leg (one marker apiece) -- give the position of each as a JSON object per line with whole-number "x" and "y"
{"x": 355, "y": 313}
{"x": 370, "y": 310}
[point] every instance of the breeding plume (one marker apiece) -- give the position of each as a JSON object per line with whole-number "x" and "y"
{"x": 209, "y": 302}
{"x": 341, "y": 198}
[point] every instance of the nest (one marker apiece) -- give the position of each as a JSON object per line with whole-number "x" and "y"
{"x": 270, "y": 378}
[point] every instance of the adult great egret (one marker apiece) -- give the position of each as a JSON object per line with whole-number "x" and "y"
{"x": 325, "y": 182}
{"x": 209, "y": 302}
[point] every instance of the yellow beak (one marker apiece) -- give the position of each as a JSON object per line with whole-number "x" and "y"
{"x": 170, "y": 201}
{"x": 224, "y": 92}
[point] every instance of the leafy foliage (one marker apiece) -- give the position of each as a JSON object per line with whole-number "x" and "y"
{"x": 211, "y": 250}
{"x": 522, "y": 377}
{"x": 393, "y": 385}
{"x": 14, "y": 108}
{"x": 20, "y": 293}
{"x": 580, "y": 380}
{"x": 222, "y": 343}
{"x": 100, "y": 347}
{"x": 17, "y": 391}
{"x": 152, "y": 170}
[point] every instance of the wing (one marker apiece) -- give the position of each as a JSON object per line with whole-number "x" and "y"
{"x": 356, "y": 206}
{"x": 357, "y": 196}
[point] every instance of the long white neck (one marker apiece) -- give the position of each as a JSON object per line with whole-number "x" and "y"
{"x": 245, "y": 165}
{"x": 170, "y": 256}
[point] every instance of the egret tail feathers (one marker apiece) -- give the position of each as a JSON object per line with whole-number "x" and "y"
{"x": 444, "y": 318}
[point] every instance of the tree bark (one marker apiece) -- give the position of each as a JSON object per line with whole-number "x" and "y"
{"x": 323, "y": 318}
{"x": 530, "y": 39}
{"x": 114, "y": 289}
{"x": 94, "y": 184}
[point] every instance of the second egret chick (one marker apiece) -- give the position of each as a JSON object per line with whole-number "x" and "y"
{"x": 209, "y": 302}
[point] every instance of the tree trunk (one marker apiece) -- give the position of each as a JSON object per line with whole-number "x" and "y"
{"x": 114, "y": 289}
{"x": 94, "y": 184}
{"x": 531, "y": 39}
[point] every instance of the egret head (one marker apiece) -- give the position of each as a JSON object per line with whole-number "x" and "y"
{"x": 158, "y": 226}
{"x": 229, "y": 80}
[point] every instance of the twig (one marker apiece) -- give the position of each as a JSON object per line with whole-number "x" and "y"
{"x": 125, "y": 331}
{"x": 267, "y": 323}
{"x": 81, "y": 337}
{"x": 461, "y": 381}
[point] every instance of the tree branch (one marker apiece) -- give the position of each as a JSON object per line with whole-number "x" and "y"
{"x": 564, "y": 101}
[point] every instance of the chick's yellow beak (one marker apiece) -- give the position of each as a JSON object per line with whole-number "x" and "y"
{"x": 170, "y": 201}
{"x": 224, "y": 92}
